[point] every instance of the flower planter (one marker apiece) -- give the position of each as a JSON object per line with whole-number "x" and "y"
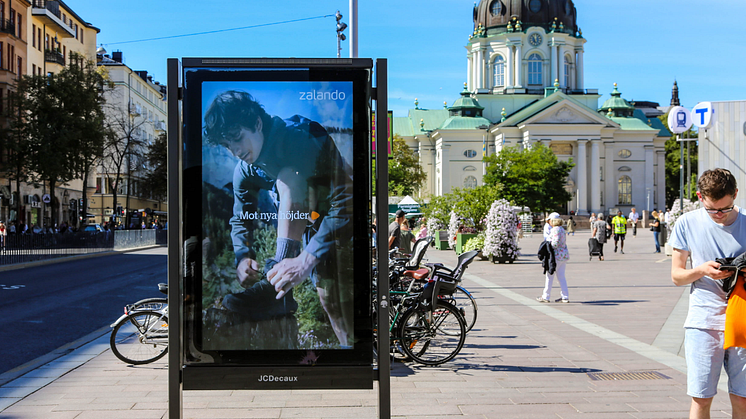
{"x": 501, "y": 259}
{"x": 441, "y": 240}
{"x": 461, "y": 239}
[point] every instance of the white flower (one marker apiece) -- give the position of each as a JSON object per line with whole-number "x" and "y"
{"x": 501, "y": 235}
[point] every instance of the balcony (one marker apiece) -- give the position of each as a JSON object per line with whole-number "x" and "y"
{"x": 54, "y": 57}
{"x": 7, "y": 27}
{"x": 48, "y": 11}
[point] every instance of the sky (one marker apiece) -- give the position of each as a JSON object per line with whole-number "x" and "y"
{"x": 643, "y": 45}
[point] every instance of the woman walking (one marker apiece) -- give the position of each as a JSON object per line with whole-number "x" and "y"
{"x": 558, "y": 240}
{"x": 571, "y": 226}
{"x": 599, "y": 228}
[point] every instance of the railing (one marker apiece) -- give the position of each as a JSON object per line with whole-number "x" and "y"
{"x": 54, "y": 57}
{"x": 51, "y": 5}
{"x": 22, "y": 248}
{"x": 6, "y": 26}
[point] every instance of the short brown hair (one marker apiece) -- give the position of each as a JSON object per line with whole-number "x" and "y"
{"x": 717, "y": 183}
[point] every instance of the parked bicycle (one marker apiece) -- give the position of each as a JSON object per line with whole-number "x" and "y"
{"x": 140, "y": 336}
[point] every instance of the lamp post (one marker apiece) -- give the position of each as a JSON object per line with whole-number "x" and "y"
{"x": 341, "y": 26}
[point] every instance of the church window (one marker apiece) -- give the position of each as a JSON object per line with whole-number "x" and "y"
{"x": 567, "y": 72}
{"x": 470, "y": 182}
{"x": 625, "y": 190}
{"x": 534, "y": 69}
{"x": 534, "y": 5}
{"x": 498, "y": 71}
{"x": 624, "y": 153}
{"x": 470, "y": 169}
{"x": 496, "y": 8}
{"x": 470, "y": 154}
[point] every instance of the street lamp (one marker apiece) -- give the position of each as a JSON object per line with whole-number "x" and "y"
{"x": 341, "y": 26}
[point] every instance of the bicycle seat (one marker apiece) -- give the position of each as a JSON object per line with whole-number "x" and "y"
{"x": 418, "y": 274}
{"x": 163, "y": 288}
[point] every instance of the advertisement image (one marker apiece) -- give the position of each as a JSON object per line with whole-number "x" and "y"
{"x": 277, "y": 216}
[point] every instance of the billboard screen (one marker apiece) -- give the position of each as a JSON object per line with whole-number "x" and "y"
{"x": 276, "y": 191}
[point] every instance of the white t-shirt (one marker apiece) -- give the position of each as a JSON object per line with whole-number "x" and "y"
{"x": 634, "y": 216}
{"x": 547, "y": 230}
{"x": 706, "y": 240}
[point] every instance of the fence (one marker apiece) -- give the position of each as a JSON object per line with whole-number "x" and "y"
{"x": 22, "y": 248}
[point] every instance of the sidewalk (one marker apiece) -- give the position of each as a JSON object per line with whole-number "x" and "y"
{"x": 523, "y": 359}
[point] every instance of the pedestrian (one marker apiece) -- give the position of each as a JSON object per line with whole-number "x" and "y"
{"x": 620, "y": 230}
{"x": 716, "y": 230}
{"x": 407, "y": 238}
{"x": 395, "y": 230}
{"x": 3, "y": 234}
{"x": 667, "y": 218}
{"x": 656, "y": 229}
{"x": 548, "y": 224}
{"x": 633, "y": 217}
{"x": 599, "y": 229}
{"x": 593, "y": 218}
{"x": 558, "y": 240}
{"x": 571, "y": 226}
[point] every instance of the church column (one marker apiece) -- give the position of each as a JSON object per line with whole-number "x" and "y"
{"x": 518, "y": 65}
{"x": 480, "y": 69}
{"x": 579, "y": 69}
{"x": 444, "y": 163}
{"x": 595, "y": 176}
{"x": 469, "y": 66}
{"x": 509, "y": 67}
{"x": 552, "y": 64}
{"x": 561, "y": 67}
{"x": 649, "y": 177}
{"x": 582, "y": 179}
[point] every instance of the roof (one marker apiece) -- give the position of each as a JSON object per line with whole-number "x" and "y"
{"x": 653, "y": 122}
{"x": 409, "y": 126}
{"x": 616, "y": 102}
{"x": 465, "y": 122}
{"x": 539, "y": 105}
{"x": 631, "y": 124}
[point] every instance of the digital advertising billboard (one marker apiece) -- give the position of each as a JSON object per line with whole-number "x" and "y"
{"x": 276, "y": 189}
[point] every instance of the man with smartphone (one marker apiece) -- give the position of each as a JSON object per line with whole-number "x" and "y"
{"x": 717, "y": 230}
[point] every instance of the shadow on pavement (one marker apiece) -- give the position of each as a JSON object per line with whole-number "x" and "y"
{"x": 610, "y": 302}
{"x": 471, "y": 346}
{"x": 461, "y": 367}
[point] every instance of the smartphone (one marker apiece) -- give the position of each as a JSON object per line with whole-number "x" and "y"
{"x": 728, "y": 268}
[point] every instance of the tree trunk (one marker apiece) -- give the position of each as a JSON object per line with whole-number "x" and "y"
{"x": 85, "y": 195}
{"x": 53, "y": 216}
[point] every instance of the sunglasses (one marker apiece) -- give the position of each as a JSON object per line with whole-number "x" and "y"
{"x": 722, "y": 211}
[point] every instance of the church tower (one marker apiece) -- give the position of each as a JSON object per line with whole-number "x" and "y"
{"x": 675, "y": 95}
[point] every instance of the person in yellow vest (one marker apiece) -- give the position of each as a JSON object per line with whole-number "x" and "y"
{"x": 620, "y": 230}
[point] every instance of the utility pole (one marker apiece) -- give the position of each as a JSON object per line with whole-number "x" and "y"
{"x": 353, "y": 28}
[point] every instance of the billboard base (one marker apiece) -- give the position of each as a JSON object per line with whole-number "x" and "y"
{"x": 281, "y": 378}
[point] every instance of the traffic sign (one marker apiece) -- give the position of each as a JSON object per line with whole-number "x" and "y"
{"x": 703, "y": 115}
{"x": 679, "y": 119}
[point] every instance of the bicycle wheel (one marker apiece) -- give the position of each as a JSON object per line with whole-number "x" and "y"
{"x": 465, "y": 302}
{"x": 432, "y": 339}
{"x": 153, "y": 304}
{"x": 140, "y": 338}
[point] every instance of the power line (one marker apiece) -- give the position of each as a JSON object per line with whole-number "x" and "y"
{"x": 219, "y": 30}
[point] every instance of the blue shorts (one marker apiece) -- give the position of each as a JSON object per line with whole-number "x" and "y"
{"x": 705, "y": 358}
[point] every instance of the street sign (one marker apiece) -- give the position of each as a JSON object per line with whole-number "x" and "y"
{"x": 703, "y": 115}
{"x": 679, "y": 119}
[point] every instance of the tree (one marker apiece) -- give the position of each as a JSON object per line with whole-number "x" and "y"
{"x": 58, "y": 122}
{"x": 673, "y": 160}
{"x": 14, "y": 151}
{"x": 155, "y": 184}
{"x": 474, "y": 204}
{"x": 124, "y": 143}
{"x": 405, "y": 173}
{"x": 530, "y": 177}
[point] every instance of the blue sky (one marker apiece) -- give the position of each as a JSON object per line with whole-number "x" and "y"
{"x": 643, "y": 45}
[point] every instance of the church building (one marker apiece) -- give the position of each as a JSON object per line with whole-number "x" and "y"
{"x": 524, "y": 85}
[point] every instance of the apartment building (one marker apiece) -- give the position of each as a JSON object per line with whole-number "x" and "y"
{"x": 136, "y": 109}
{"x": 36, "y": 37}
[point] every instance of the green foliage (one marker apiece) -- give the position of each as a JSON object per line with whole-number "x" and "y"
{"x": 530, "y": 177}
{"x": 474, "y": 204}
{"x": 438, "y": 212}
{"x": 673, "y": 160}
{"x": 154, "y": 184}
{"x": 405, "y": 173}
{"x": 475, "y": 243}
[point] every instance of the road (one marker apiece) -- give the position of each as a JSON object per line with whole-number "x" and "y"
{"x": 45, "y": 307}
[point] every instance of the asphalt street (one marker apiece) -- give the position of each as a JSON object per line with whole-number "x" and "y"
{"x": 45, "y": 307}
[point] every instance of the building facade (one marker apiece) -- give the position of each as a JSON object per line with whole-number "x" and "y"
{"x": 525, "y": 85}
{"x": 136, "y": 110}
{"x": 36, "y": 37}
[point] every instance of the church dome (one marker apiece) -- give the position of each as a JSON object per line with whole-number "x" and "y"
{"x": 616, "y": 105}
{"x": 497, "y": 14}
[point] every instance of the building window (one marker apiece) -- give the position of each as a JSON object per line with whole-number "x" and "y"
{"x": 33, "y": 69}
{"x": 33, "y": 36}
{"x": 81, "y": 36}
{"x": 534, "y": 69}
{"x": 20, "y": 27}
{"x": 625, "y": 190}
{"x": 470, "y": 154}
{"x": 2, "y": 10}
{"x": 567, "y": 72}
{"x": 496, "y": 8}
{"x": 470, "y": 182}
{"x": 1, "y": 56}
{"x": 498, "y": 71}
{"x": 20, "y": 66}
{"x": 624, "y": 153}
{"x": 38, "y": 42}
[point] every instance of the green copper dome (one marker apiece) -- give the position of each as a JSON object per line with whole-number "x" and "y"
{"x": 616, "y": 105}
{"x": 466, "y": 106}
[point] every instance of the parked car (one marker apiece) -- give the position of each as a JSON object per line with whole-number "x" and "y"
{"x": 93, "y": 228}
